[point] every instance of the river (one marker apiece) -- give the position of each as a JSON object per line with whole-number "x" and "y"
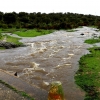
{"x": 52, "y": 57}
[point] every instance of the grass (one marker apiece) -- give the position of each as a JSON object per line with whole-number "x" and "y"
{"x": 9, "y": 38}
{"x": 15, "y": 90}
{"x": 12, "y": 40}
{"x": 26, "y": 32}
{"x": 88, "y": 75}
{"x": 92, "y": 41}
{"x": 23, "y": 33}
{"x": 33, "y": 32}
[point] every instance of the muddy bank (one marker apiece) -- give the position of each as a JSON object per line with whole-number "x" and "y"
{"x": 53, "y": 57}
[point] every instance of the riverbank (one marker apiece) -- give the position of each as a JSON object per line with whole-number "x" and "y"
{"x": 10, "y": 38}
{"x": 8, "y": 94}
{"x": 88, "y": 75}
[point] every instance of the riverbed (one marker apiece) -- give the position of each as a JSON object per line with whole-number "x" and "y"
{"x": 47, "y": 58}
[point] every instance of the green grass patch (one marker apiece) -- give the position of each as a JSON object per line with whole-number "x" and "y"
{"x": 92, "y": 41}
{"x": 23, "y": 33}
{"x": 26, "y": 32}
{"x": 33, "y": 32}
{"x": 12, "y": 40}
{"x": 88, "y": 75}
{"x": 17, "y": 91}
{"x": 9, "y": 38}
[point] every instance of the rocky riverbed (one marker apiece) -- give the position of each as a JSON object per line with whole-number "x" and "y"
{"x": 52, "y": 57}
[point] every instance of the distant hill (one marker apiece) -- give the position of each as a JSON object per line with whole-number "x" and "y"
{"x": 47, "y": 21}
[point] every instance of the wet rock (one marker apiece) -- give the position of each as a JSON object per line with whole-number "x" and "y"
{"x": 7, "y": 45}
{"x": 82, "y": 34}
{"x": 15, "y": 74}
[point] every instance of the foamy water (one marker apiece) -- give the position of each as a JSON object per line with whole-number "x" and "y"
{"x": 53, "y": 57}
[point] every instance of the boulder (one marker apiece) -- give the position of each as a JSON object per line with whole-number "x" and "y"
{"x": 7, "y": 45}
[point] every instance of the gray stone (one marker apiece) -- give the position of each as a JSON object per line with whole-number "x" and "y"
{"x": 7, "y": 45}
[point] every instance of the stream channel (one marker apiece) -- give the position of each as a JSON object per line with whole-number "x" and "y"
{"x": 52, "y": 57}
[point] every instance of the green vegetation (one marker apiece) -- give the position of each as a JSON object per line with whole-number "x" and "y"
{"x": 15, "y": 90}
{"x": 21, "y": 32}
{"x": 12, "y": 40}
{"x": 88, "y": 75}
{"x": 33, "y": 32}
{"x": 9, "y": 38}
{"x": 47, "y": 21}
{"x": 92, "y": 41}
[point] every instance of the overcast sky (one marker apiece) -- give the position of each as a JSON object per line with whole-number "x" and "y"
{"x": 47, "y": 6}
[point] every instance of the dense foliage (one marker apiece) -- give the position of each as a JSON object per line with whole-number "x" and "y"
{"x": 47, "y": 21}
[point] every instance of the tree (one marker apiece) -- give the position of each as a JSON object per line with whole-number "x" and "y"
{"x": 9, "y": 18}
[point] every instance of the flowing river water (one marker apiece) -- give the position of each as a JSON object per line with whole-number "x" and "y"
{"x": 52, "y": 57}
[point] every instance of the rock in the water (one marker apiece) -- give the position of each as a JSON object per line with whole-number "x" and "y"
{"x": 7, "y": 45}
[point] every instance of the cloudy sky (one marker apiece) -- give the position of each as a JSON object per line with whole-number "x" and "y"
{"x": 47, "y": 6}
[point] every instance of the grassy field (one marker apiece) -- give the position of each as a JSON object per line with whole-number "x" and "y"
{"x": 33, "y": 32}
{"x": 88, "y": 75}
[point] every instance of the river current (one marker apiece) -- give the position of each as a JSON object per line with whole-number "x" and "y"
{"x": 52, "y": 57}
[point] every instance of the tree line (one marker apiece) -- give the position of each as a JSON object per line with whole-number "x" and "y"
{"x": 47, "y": 21}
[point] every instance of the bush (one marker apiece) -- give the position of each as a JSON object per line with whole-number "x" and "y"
{"x": 4, "y": 26}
